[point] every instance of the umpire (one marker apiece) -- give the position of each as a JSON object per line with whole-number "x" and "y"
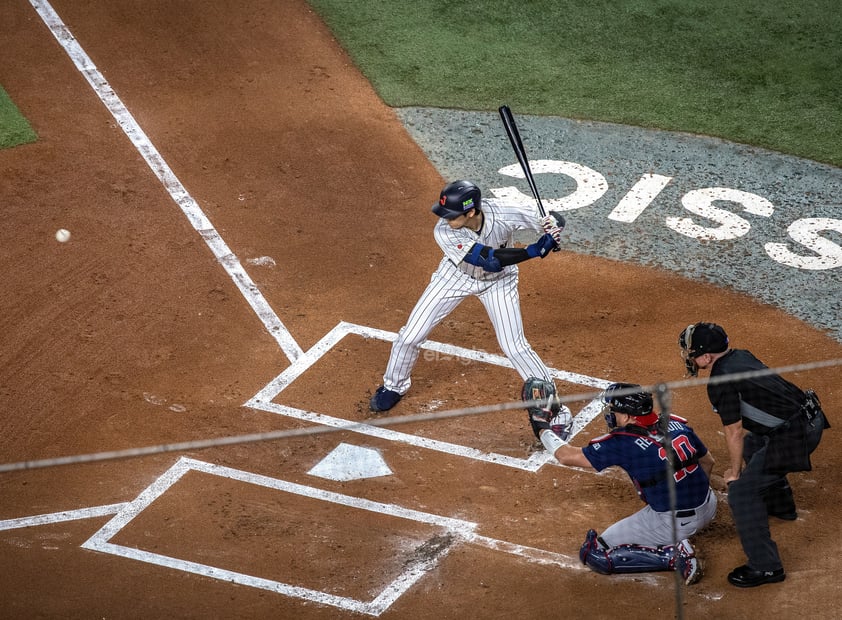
{"x": 771, "y": 428}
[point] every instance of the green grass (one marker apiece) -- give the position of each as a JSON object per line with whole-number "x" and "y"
{"x": 761, "y": 72}
{"x": 14, "y": 129}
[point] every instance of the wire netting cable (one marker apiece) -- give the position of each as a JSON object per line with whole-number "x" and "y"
{"x": 319, "y": 429}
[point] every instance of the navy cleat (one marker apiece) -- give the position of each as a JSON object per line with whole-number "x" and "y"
{"x": 687, "y": 563}
{"x": 384, "y": 399}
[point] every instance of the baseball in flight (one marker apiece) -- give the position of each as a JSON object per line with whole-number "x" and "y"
{"x": 62, "y": 235}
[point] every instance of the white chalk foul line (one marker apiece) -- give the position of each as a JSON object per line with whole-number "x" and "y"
{"x": 228, "y": 260}
{"x": 539, "y": 556}
{"x": 162, "y": 171}
{"x": 58, "y": 517}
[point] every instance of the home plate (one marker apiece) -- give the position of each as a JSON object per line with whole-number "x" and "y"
{"x": 348, "y": 462}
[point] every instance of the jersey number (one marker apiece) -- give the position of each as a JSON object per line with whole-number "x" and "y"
{"x": 684, "y": 450}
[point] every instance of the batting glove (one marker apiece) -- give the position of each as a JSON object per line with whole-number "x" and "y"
{"x": 547, "y": 223}
{"x": 559, "y": 222}
{"x": 562, "y": 422}
{"x": 553, "y": 219}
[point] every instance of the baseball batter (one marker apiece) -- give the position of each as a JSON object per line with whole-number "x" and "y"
{"x": 476, "y": 237}
{"x": 644, "y": 540}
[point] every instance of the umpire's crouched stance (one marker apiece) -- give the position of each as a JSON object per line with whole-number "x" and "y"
{"x": 770, "y": 425}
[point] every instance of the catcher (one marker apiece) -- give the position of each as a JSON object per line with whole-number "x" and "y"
{"x": 643, "y": 541}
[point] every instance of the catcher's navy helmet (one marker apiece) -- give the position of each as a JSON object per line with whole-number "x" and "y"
{"x": 456, "y": 199}
{"x": 628, "y": 398}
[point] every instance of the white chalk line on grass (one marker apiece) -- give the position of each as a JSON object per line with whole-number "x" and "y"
{"x": 171, "y": 183}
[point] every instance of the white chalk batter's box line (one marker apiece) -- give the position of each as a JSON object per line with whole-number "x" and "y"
{"x": 460, "y": 532}
{"x": 263, "y": 399}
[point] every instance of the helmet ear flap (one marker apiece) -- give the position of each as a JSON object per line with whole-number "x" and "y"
{"x": 610, "y": 418}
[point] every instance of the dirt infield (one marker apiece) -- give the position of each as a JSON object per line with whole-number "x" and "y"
{"x": 254, "y": 290}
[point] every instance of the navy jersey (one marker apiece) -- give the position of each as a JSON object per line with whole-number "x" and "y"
{"x": 645, "y": 461}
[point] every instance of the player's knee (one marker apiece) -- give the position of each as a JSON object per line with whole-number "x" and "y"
{"x": 409, "y": 339}
{"x": 518, "y": 351}
{"x": 739, "y": 495}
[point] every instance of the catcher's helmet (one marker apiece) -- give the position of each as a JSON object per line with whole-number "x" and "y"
{"x": 456, "y": 199}
{"x": 628, "y": 398}
{"x": 622, "y": 398}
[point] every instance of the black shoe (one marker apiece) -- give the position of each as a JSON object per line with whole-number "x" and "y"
{"x": 384, "y": 399}
{"x": 746, "y": 577}
{"x": 786, "y": 516}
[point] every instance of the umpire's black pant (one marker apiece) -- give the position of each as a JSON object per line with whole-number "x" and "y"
{"x": 756, "y": 493}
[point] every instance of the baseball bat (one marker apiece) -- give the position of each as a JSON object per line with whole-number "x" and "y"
{"x": 520, "y": 153}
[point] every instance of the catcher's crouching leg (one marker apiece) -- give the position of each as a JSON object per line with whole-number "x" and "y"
{"x": 639, "y": 559}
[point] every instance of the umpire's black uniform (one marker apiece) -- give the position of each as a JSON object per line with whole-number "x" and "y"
{"x": 785, "y": 425}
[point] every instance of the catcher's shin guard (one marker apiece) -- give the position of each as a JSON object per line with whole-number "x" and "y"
{"x": 594, "y": 555}
{"x": 640, "y": 559}
{"x": 624, "y": 558}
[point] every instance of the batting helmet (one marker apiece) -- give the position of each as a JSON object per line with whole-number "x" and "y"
{"x": 628, "y": 398}
{"x": 456, "y": 199}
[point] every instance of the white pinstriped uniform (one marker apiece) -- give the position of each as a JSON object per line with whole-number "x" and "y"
{"x": 454, "y": 280}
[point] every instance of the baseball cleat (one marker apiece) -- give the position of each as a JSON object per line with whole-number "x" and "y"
{"x": 688, "y": 563}
{"x": 384, "y": 399}
{"x": 691, "y": 572}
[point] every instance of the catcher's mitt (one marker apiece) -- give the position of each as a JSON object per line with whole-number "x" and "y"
{"x": 545, "y": 411}
{"x": 541, "y": 396}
